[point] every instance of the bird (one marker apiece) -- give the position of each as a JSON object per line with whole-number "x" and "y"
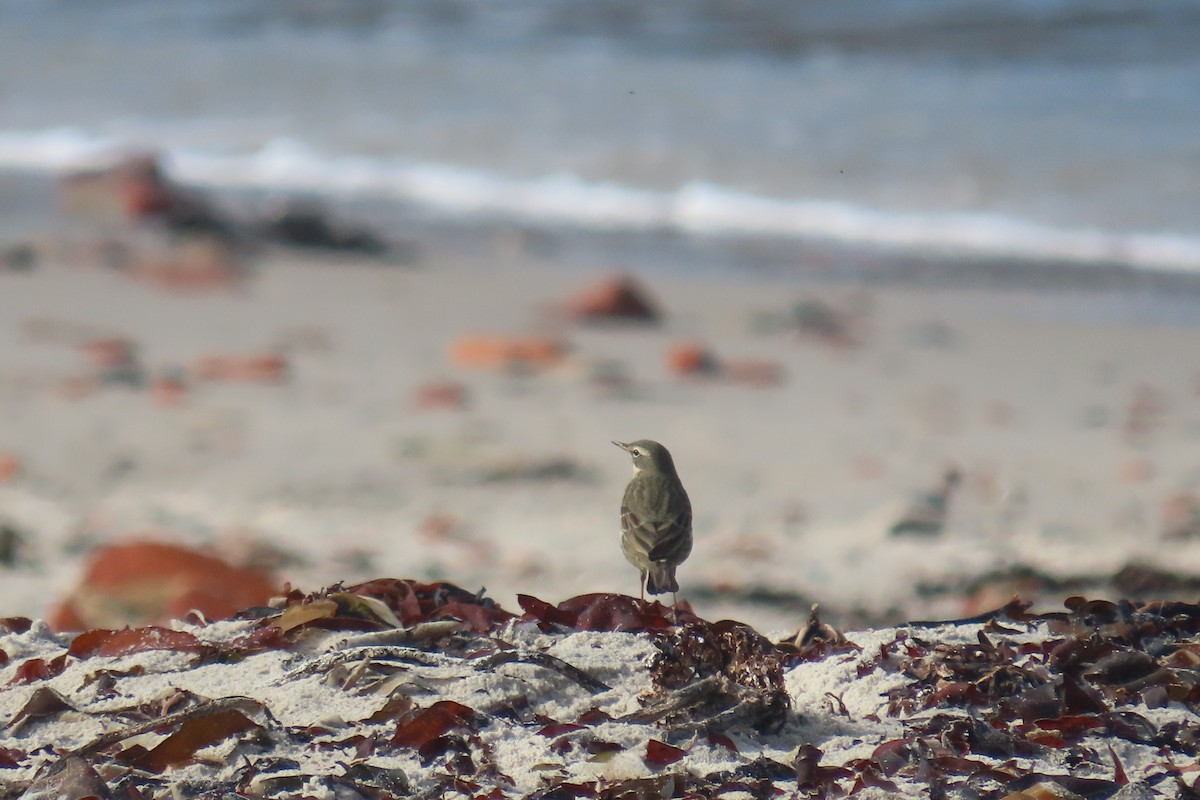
{"x": 656, "y": 518}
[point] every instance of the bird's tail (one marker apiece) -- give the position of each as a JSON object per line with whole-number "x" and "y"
{"x": 661, "y": 579}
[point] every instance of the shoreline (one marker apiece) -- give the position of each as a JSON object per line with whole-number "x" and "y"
{"x": 28, "y": 197}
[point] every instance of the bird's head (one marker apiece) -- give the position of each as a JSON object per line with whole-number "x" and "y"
{"x": 648, "y": 456}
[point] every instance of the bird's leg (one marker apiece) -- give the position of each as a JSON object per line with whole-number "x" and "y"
{"x": 675, "y": 608}
{"x": 642, "y": 587}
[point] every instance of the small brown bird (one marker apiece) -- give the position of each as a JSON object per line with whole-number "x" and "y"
{"x": 656, "y": 518}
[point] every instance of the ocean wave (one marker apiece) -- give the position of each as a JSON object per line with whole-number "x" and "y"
{"x": 698, "y": 208}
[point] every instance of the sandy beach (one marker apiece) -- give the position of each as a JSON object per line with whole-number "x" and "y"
{"x": 1071, "y": 415}
{"x": 212, "y": 415}
{"x": 319, "y": 323}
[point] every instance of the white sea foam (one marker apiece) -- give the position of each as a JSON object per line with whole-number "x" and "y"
{"x": 697, "y": 208}
{"x": 58, "y": 148}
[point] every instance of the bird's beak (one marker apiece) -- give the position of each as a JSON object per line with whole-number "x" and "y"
{"x": 622, "y": 445}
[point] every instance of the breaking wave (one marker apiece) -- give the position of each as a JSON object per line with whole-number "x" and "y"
{"x": 698, "y": 208}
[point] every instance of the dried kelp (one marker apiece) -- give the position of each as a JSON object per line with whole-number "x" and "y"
{"x": 1008, "y": 704}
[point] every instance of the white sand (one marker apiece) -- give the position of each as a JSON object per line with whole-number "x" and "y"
{"x": 839, "y": 703}
{"x": 793, "y": 487}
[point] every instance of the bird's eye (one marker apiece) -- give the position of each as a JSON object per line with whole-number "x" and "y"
{"x": 635, "y": 452}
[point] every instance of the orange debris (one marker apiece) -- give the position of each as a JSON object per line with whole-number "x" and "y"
{"x": 143, "y": 189}
{"x": 10, "y": 466}
{"x": 168, "y": 391}
{"x": 619, "y": 298}
{"x": 440, "y": 394}
{"x": 261, "y": 368}
{"x": 142, "y": 583}
{"x": 498, "y": 352}
{"x": 688, "y": 359}
{"x": 114, "y": 352}
{"x": 755, "y": 373}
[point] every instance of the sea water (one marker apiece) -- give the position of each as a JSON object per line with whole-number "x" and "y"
{"x": 1055, "y": 131}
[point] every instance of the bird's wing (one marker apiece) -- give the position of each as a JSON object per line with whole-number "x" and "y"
{"x": 663, "y": 531}
{"x": 674, "y": 541}
{"x": 673, "y": 547}
{"x": 642, "y": 532}
{"x": 667, "y": 539}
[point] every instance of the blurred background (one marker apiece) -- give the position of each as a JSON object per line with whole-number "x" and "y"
{"x": 324, "y": 292}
